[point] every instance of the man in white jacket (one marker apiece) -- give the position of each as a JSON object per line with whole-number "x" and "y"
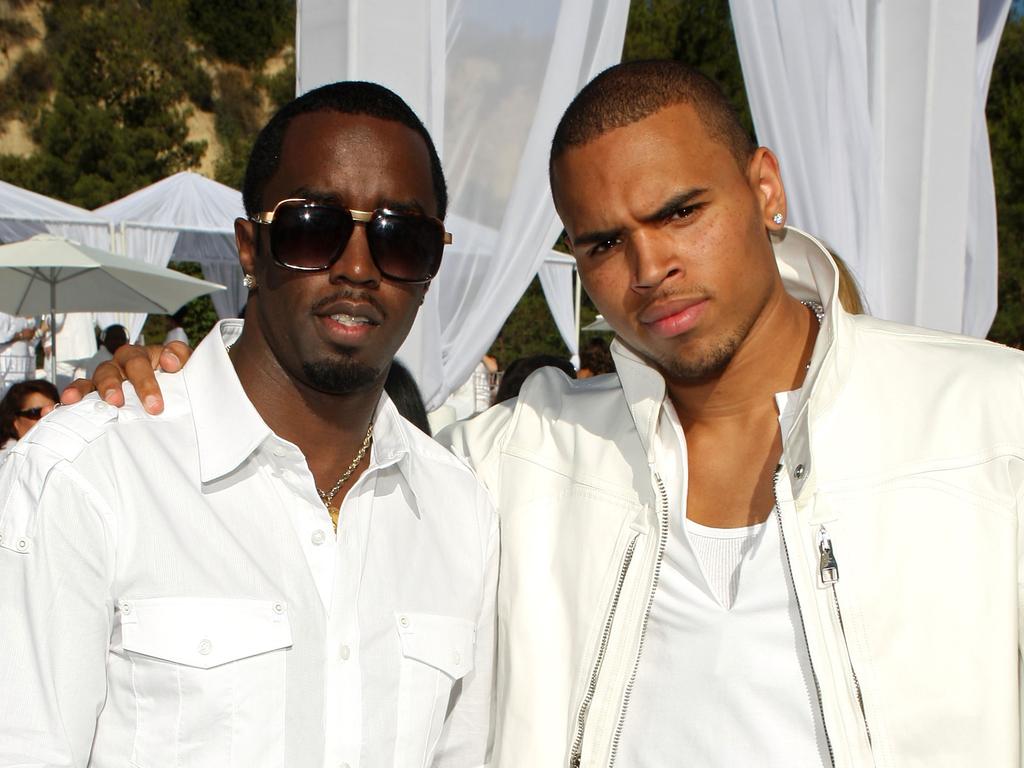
{"x": 779, "y": 535}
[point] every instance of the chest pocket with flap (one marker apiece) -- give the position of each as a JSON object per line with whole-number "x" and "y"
{"x": 437, "y": 651}
{"x": 208, "y": 679}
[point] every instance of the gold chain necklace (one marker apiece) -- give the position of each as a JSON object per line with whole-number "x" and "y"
{"x": 327, "y": 497}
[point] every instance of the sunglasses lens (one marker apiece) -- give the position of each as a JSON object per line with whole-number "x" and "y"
{"x": 309, "y": 236}
{"x": 32, "y": 414}
{"x": 406, "y": 247}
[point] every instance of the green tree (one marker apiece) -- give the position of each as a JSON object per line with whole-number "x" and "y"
{"x": 1005, "y": 112}
{"x": 117, "y": 121}
{"x": 240, "y": 31}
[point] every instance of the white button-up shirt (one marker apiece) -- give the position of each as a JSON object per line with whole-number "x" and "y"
{"x": 172, "y": 592}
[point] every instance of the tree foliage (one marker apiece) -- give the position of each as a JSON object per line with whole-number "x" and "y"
{"x": 240, "y": 31}
{"x": 117, "y": 121}
{"x": 1005, "y": 112}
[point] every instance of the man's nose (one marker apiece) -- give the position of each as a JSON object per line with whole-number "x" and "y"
{"x": 356, "y": 264}
{"x": 654, "y": 256}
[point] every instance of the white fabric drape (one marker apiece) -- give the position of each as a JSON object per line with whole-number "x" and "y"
{"x": 490, "y": 80}
{"x": 185, "y": 217}
{"x": 876, "y": 111}
{"x": 556, "y": 280}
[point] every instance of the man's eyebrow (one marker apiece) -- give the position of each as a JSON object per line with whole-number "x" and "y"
{"x": 673, "y": 204}
{"x": 596, "y": 236}
{"x": 670, "y": 206}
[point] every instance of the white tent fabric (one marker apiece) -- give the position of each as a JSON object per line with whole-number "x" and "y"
{"x": 556, "y": 280}
{"x": 876, "y": 111}
{"x": 24, "y": 214}
{"x": 185, "y": 217}
{"x": 490, "y": 80}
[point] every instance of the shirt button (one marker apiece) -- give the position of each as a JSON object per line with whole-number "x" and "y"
{"x": 126, "y": 607}
{"x": 798, "y": 471}
{"x": 279, "y": 608}
{"x": 344, "y": 652}
{"x": 318, "y": 537}
{"x": 344, "y": 765}
{"x": 205, "y": 646}
{"x": 403, "y": 621}
{"x": 279, "y": 451}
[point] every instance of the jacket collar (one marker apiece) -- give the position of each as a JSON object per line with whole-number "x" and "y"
{"x": 229, "y": 428}
{"x": 808, "y": 273}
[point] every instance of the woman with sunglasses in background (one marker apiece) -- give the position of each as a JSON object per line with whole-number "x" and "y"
{"x": 22, "y": 407}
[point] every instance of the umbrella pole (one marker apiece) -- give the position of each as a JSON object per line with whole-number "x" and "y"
{"x": 53, "y": 327}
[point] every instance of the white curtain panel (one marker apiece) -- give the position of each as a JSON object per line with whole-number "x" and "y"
{"x": 876, "y": 111}
{"x": 490, "y": 80}
{"x": 556, "y": 281}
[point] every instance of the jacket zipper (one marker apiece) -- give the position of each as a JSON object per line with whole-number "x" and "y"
{"x": 829, "y": 570}
{"x": 581, "y": 718}
{"x": 800, "y": 612}
{"x": 662, "y": 543}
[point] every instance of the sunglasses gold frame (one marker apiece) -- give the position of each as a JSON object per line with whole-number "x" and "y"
{"x": 267, "y": 217}
{"x": 364, "y": 217}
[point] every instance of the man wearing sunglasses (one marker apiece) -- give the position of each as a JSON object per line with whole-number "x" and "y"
{"x": 780, "y": 535}
{"x": 278, "y": 569}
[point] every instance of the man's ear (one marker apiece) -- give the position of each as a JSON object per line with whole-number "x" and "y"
{"x": 765, "y": 180}
{"x": 245, "y": 240}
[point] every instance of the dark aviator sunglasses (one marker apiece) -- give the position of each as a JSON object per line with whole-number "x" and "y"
{"x": 310, "y": 237}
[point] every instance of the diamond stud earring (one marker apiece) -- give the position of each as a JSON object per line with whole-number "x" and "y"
{"x": 777, "y": 218}
{"x": 249, "y": 282}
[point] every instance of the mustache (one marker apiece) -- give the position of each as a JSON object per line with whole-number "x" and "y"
{"x": 349, "y": 294}
{"x": 681, "y": 292}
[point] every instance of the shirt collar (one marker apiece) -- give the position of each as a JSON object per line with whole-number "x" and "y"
{"x": 229, "y": 428}
{"x": 808, "y": 274}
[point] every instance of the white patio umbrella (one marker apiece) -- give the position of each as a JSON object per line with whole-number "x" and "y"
{"x": 45, "y": 272}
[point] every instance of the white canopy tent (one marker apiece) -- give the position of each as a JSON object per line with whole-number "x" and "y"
{"x": 490, "y": 81}
{"x": 185, "y": 217}
{"x": 24, "y": 214}
{"x": 877, "y": 113}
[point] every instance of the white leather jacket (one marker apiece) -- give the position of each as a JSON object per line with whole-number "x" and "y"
{"x": 900, "y": 493}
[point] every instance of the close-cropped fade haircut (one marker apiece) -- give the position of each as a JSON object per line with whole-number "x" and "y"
{"x": 349, "y": 98}
{"x": 627, "y": 93}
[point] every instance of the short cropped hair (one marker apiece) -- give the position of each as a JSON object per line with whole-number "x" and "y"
{"x": 627, "y": 93}
{"x": 349, "y": 98}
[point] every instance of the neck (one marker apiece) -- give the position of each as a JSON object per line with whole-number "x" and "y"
{"x": 772, "y": 358}
{"x": 327, "y": 428}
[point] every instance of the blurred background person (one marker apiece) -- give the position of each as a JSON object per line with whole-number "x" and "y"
{"x": 401, "y": 388}
{"x": 595, "y": 359}
{"x": 518, "y": 371}
{"x": 112, "y": 339}
{"x": 850, "y": 295}
{"x": 22, "y": 407}
{"x": 17, "y": 351}
{"x": 175, "y": 327}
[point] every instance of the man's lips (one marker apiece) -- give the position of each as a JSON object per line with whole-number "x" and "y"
{"x": 673, "y": 317}
{"x": 348, "y": 321}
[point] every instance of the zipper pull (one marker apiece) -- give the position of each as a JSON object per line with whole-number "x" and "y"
{"x": 827, "y": 565}
{"x": 574, "y": 760}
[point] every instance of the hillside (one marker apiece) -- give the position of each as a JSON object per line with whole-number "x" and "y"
{"x": 99, "y": 97}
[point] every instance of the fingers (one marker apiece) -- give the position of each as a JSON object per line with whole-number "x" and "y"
{"x": 174, "y": 356}
{"x": 75, "y": 391}
{"x": 107, "y": 381}
{"x": 135, "y": 365}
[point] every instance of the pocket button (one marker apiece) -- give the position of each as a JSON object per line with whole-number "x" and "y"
{"x": 205, "y": 646}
